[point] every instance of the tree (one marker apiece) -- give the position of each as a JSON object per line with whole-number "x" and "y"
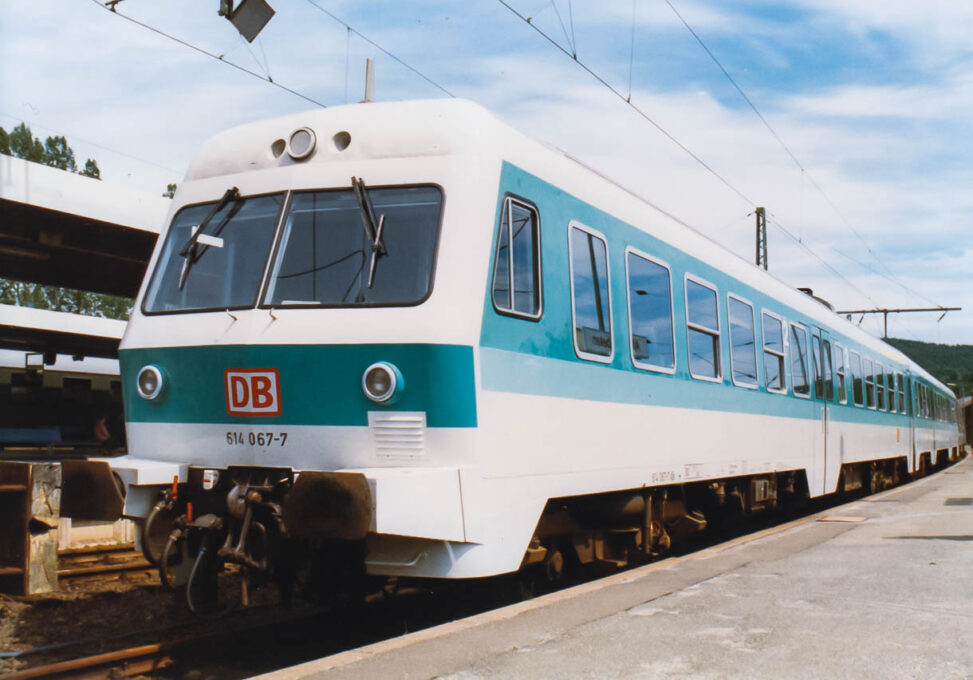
{"x": 58, "y": 154}
{"x": 24, "y": 145}
{"x": 170, "y": 190}
{"x": 55, "y": 151}
{"x": 91, "y": 169}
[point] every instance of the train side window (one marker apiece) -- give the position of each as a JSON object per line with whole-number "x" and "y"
{"x": 590, "y": 294}
{"x": 858, "y": 391}
{"x": 869, "y": 383}
{"x": 890, "y": 388}
{"x": 839, "y": 372}
{"x": 798, "y": 349}
{"x": 901, "y": 385}
{"x": 650, "y": 312}
{"x": 517, "y": 269}
{"x": 743, "y": 354}
{"x": 879, "y": 386}
{"x": 703, "y": 328}
{"x": 773, "y": 335}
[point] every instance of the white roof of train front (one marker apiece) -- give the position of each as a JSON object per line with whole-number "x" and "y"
{"x": 411, "y": 129}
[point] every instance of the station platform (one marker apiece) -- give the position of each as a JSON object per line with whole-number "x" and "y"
{"x": 877, "y": 588}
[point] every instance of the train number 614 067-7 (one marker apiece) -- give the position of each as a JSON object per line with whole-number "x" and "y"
{"x": 256, "y": 438}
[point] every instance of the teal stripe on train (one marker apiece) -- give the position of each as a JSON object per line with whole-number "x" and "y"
{"x": 320, "y": 384}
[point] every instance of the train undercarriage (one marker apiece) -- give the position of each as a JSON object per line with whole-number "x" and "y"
{"x": 305, "y": 533}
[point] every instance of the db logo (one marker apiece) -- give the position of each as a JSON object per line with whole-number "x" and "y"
{"x": 252, "y": 391}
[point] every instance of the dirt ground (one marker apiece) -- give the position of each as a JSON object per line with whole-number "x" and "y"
{"x": 86, "y": 616}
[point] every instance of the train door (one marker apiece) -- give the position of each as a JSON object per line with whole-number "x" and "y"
{"x": 910, "y": 387}
{"x": 824, "y": 393}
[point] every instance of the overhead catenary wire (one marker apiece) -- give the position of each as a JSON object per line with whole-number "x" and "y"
{"x": 217, "y": 57}
{"x": 684, "y": 148}
{"x": 628, "y": 102}
{"x": 384, "y": 51}
{"x": 804, "y": 172}
{"x": 76, "y": 138}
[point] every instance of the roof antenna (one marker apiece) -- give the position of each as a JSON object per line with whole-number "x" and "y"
{"x": 369, "y": 81}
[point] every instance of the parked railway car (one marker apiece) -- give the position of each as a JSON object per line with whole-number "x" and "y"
{"x": 409, "y": 336}
{"x": 66, "y": 403}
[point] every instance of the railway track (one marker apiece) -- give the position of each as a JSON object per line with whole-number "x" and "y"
{"x": 73, "y": 563}
{"x": 262, "y": 639}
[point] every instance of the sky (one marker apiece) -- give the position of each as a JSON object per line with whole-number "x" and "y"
{"x": 860, "y": 152}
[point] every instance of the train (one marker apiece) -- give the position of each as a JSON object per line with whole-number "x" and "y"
{"x": 59, "y": 401}
{"x": 403, "y": 340}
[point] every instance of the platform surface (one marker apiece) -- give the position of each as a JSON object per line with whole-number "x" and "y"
{"x": 878, "y": 588}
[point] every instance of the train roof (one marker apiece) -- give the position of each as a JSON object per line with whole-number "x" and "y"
{"x": 448, "y": 127}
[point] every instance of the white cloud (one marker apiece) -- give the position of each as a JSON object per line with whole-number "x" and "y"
{"x": 888, "y": 150}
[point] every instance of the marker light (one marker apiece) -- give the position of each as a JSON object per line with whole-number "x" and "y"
{"x": 382, "y": 382}
{"x": 151, "y": 382}
{"x": 301, "y": 143}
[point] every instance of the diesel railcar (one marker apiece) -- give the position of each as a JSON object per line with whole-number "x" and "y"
{"x": 405, "y": 335}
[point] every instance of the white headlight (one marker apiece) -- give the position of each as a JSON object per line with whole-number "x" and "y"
{"x": 381, "y": 381}
{"x": 150, "y": 382}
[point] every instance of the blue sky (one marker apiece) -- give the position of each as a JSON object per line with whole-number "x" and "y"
{"x": 873, "y": 97}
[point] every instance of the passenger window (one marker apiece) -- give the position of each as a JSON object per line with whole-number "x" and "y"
{"x": 880, "y": 386}
{"x": 650, "y": 313}
{"x": 517, "y": 269}
{"x": 702, "y": 317}
{"x": 839, "y": 371}
{"x": 869, "y": 383}
{"x": 898, "y": 379}
{"x": 743, "y": 352}
{"x": 798, "y": 350}
{"x": 590, "y": 299}
{"x": 857, "y": 388}
{"x": 773, "y": 332}
{"x": 890, "y": 388}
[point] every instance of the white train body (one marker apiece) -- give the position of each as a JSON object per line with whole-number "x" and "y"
{"x": 505, "y": 404}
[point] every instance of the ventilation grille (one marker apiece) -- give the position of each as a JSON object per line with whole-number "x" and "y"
{"x": 398, "y": 434}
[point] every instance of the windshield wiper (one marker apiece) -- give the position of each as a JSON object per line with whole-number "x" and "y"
{"x": 190, "y": 250}
{"x": 373, "y": 230}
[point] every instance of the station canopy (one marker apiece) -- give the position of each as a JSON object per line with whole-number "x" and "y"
{"x": 52, "y": 333}
{"x": 62, "y": 229}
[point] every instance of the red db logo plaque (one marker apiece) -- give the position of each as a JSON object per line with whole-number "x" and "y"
{"x": 252, "y": 391}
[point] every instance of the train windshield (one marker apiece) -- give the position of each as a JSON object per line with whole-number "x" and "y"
{"x": 223, "y": 265}
{"x": 330, "y": 257}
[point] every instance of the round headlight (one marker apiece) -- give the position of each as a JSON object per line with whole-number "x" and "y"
{"x": 150, "y": 382}
{"x": 301, "y": 143}
{"x": 381, "y": 382}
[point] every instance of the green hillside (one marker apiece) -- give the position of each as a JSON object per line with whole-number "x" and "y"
{"x": 951, "y": 364}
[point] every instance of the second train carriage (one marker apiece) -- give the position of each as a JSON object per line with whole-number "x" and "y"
{"x": 408, "y": 326}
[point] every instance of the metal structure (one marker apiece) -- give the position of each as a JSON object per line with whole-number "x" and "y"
{"x": 885, "y": 313}
{"x": 761, "y": 216}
